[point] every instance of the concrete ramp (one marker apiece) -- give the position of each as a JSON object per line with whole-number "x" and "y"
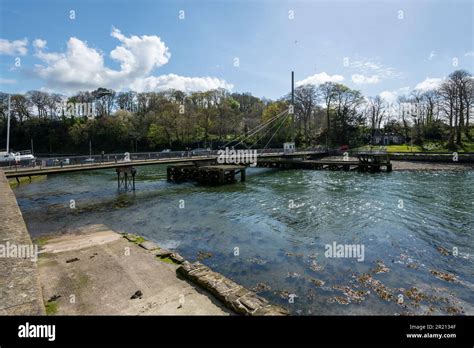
{"x": 98, "y": 272}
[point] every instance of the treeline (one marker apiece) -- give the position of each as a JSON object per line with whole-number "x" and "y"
{"x": 330, "y": 114}
{"x": 337, "y": 114}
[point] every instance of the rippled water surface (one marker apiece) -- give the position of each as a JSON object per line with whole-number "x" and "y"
{"x": 416, "y": 229}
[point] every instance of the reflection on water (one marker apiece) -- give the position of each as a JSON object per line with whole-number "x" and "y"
{"x": 270, "y": 232}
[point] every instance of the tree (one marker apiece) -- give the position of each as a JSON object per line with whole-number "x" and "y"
{"x": 40, "y": 101}
{"x": 348, "y": 115}
{"x": 104, "y": 99}
{"x": 20, "y": 107}
{"x": 463, "y": 82}
{"x": 456, "y": 101}
{"x": 403, "y": 115}
{"x": 281, "y": 126}
{"x": 328, "y": 94}
{"x": 306, "y": 99}
{"x": 376, "y": 109}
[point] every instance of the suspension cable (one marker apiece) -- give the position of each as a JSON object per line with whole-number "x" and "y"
{"x": 268, "y": 130}
{"x": 256, "y": 129}
{"x": 275, "y": 132}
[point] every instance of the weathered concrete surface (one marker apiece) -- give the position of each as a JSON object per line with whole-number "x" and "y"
{"x": 235, "y": 296}
{"x": 98, "y": 271}
{"x": 20, "y": 293}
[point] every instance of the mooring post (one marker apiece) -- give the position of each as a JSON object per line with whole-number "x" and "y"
{"x": 242, "y": 175}
{"x": 126, "y": 180}
{"x": 293, "y": 106}
{"x": 134, "y": 171}
{"x": 221, "y": 176}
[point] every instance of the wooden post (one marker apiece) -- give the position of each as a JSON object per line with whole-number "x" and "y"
{"x": 242, "y": 175}
{"x": 134, "y": 171}
{"x": 221, "y": 176}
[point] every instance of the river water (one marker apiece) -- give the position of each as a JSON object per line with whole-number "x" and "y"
{"x": 271, "y": 232}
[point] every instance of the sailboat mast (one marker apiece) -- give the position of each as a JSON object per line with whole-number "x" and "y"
{"x": 8, "y": 127}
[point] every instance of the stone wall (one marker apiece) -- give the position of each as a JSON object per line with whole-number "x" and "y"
{"x": 432, "y": 157}
{"x": 233, "y": 295}
{"x": 20, "y": 292}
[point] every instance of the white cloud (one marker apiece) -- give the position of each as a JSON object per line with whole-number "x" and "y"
{"x": 39, "y": 44}
{"x": 392, "y": 96}
{"x": 388, "y": 96}
{"x": 429, "y": 84}
{"x": 371, "y": 67}
{"x": 469, "y": 54}
{"x": 182, "y": 83}
{"x": 320, "y": 78}
{"x": 359, "y": 79}
{"x": 81, "y": 67}
{"x": 11, "y": 48}
{"x": 7, "y": 81}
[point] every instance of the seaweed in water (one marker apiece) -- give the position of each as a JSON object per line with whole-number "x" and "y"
{"x": 380, "y": 267}
{"x": 261, "y": 287}
{"x": 444, "y": 276}
{"x": 315, "y": 266}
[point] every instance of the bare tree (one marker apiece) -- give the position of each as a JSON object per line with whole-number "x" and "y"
{"x": 377, "y": 108}
{"x": 20, "y": 107}
{"x": 403, "y": 113}
{"x": 306, "y": 99}
{"x": 40, "y": 101}
{"x": 328, "y": 95}
{"x": 448, "y": 92}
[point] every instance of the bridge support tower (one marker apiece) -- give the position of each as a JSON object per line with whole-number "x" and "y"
{"x": 124, "y": 176}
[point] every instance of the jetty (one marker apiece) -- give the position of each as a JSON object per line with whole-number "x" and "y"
{"x": 206, "y": 175}
{"x": 368, "y": 162}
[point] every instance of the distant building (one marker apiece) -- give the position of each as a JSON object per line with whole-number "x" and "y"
{"x": 391, "y": 138}
{"x": 289, "y": 147}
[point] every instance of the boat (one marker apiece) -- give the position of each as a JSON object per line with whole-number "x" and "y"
{"x": 22, "y": 157}
{"x": 16, "y": 156}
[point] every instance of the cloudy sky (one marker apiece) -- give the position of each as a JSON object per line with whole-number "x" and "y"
{"x": 379, "y": 47}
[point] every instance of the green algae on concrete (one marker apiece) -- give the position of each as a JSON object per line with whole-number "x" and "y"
{"x": 51, "y": 308}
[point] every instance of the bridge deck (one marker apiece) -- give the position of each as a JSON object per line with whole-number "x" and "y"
{"x": 26, "y": 172}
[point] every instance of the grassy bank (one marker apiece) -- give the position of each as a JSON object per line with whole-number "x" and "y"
{"x": 467, "y": 146}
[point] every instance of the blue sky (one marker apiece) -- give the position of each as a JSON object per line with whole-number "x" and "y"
{"x": 367, "y": 45}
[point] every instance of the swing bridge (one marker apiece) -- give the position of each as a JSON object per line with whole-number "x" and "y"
{"x": 204, "y": 167}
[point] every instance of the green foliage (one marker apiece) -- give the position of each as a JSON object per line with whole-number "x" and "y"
{"x": 331, "y": 114}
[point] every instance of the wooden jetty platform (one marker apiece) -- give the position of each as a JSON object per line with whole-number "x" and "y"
{"x": 365, "y": 163}
{"x": 206, "y": 174}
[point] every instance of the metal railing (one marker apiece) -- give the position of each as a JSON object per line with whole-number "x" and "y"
{"x": 65, "y": 161}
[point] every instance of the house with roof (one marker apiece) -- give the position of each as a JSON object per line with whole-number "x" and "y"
{"x": 387, "y": 138}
